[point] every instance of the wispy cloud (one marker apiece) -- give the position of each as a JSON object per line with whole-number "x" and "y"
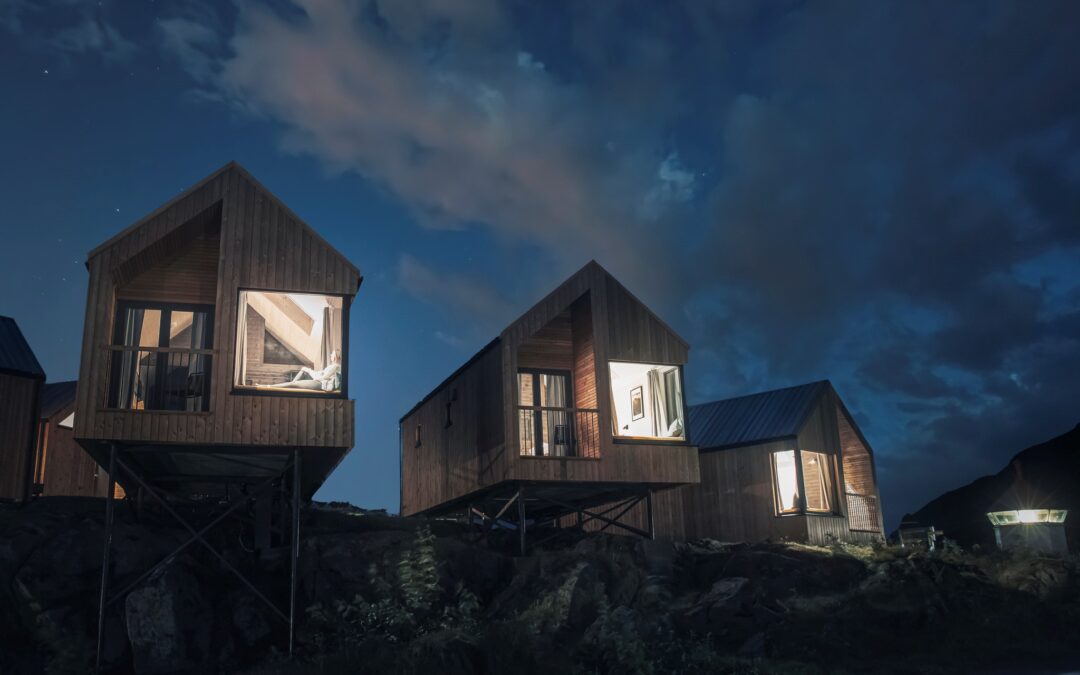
{"x": 452, "y": 291}
{"x": 72, "y": 28}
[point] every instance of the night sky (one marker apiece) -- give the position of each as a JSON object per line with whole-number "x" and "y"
{"x": 885, "y": 195}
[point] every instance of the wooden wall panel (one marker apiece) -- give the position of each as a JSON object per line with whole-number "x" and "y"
{"x": 62, "y": 466}
{"x": 468, "y": 454}
{"x": 635, "y": 333}
{"x": 18, "y": 421}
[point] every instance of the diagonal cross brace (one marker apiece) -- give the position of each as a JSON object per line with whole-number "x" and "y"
{"x": 197, "y": 536}
{"x": 225, "y": 514}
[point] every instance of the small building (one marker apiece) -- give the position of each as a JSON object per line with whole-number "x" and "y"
{"x": 216, "y": 344}
{"x": 214, "y": 370}
{"x": 61, "y": 467}
{"x": 21, "y": 380}
{"x": 578, "y": 403}
{"x": 789, "y": 464}
{"x": 1025, "y": 518}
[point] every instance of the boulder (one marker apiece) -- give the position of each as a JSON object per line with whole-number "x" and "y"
{"x": 169, "y": 622}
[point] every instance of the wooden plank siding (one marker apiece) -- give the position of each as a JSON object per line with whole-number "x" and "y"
{"x": 569, "y": 329}
{"x": 61, "y": 465}
{"x": 256, "y": 242}
{"x": 734, "y": 500}
{"x": 18, "y": 421}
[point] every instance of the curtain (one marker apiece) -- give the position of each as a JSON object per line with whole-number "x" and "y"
{"x": 241, "y": 340}
{"x": 129, "y": 360}
{"x": 658, "y": 391}
{"x": 331, "y": 336}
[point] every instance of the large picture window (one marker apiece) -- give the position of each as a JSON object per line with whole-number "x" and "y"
{"x": 647, "y": 401}
{"x": 290, "y": 343}
{"x": 161, "y": 357}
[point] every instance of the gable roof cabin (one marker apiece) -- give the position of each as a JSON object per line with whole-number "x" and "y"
{"x": 784, "y": 464}
{"x": 578, "y": 402}
{"x": 204, "y": 322}
{"x": 21, "y": 378}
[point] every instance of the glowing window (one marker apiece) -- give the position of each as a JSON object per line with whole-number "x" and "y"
{"x": 817, "y": 481}
{"x": 786, "y": 483}
{"x": 290, "y": 343}
{"x": 647, "y": 401}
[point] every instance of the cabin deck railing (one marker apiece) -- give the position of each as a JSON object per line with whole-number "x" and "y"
{"x": 158, "y": 378}
{"x": 863, "y": 513}
{"x": 559, "y": 432}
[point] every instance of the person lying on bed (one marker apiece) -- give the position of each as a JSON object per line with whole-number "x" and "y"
{"x": 324, "y": 379}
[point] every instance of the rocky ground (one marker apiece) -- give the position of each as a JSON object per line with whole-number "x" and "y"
{"x": 385, "y": 595}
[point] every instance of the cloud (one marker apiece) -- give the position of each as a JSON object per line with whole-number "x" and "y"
{"x": 886, "y": 184}
{"x": 455, "y": 293}
{"x": 93, "y": 35}
{"x": 67, "y": 26}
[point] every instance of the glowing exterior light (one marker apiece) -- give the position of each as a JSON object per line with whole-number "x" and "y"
{"x": 1027, "y": 516}
{"x": 1032, "y": 515}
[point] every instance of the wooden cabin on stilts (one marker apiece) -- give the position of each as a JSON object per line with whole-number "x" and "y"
{"x": 577, "y": 405}
{"x": 215, "y": 368}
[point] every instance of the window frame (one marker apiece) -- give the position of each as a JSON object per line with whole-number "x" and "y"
{"x": 830, "y": 495}
{"x": 120, "y": 308}
{"x": 245, "y": 390}
{"x": 538, "y": 420}
{"x": 648, "y": 440}
{"x": 800, "y": 483}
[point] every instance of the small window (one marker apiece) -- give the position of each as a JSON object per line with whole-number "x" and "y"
{"x": 290, "y": 343}
{"x": 817, "y": 481}
{"x": 416, "y": 443}
{"x": 786, "y": 482}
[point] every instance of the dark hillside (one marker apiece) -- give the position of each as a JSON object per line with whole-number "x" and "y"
{"x": 1051, "y": 468}
{"x": 406, "y": 595}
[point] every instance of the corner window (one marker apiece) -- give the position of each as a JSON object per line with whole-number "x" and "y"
{"x": 817, "y": 480}
{"x": 786, "y": 482}
{"x": 161, "y": 357}
{"x": 647, "y": 401}
{"x": 290, "y": 343}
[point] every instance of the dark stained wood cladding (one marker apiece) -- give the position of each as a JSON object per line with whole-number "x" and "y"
{"x": 734, "y": 500}
{"x": 62, "y": 466}
{"x": 551, "y": 347}
{"x": 190, "y": 277}
{"x": 635, "y": 333}
{"x": 442, "y": 461}
{"x": 18, "y": 420}
{"x": 573, "y": 324}
{"x": 262, "y": 245}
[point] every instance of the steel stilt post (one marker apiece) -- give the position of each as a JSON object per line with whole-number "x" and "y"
{"x": 295, "y": 547}
{"x": 106, "y": 556}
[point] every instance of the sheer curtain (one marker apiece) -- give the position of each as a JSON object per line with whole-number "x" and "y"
{"x": 241, "y": 340}
{"x": 658, "y": 391}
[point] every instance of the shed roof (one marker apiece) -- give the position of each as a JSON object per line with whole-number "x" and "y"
{"x": 756, "y": 418}
{"x": 56, "y": 396}
{"x": 15, "y": 353}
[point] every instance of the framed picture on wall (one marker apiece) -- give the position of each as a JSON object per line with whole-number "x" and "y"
{"x": 637, "y": 404}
